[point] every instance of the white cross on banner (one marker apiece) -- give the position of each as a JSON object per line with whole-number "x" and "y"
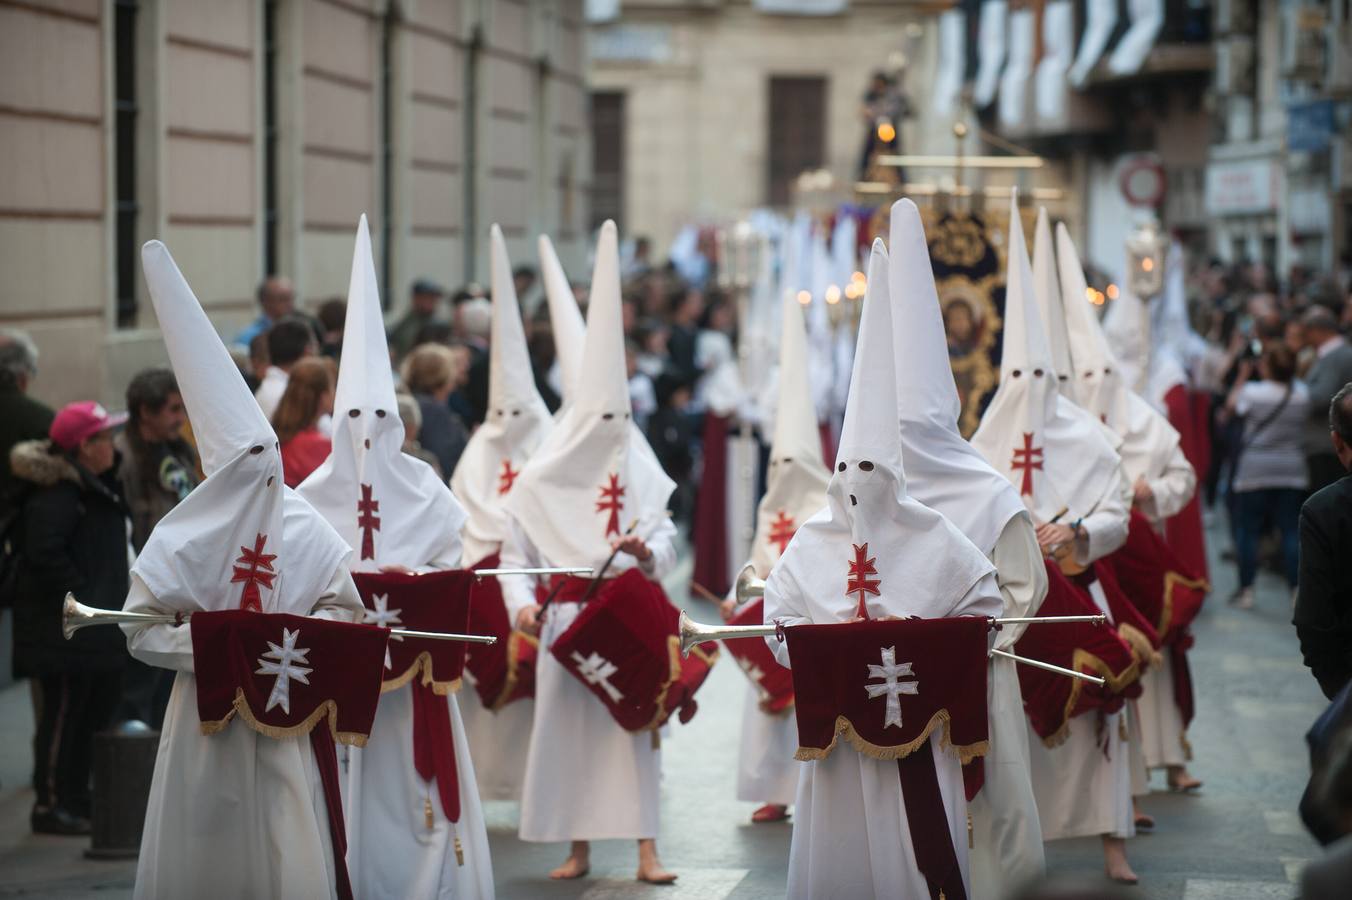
{"x": 285, "y": 667}
{"x": 596, "y": 669}
{"x": 892, "y": 686}
{"x": 385, "y": 617}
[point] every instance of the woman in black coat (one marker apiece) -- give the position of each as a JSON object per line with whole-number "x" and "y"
{"x": 72, "y": 537}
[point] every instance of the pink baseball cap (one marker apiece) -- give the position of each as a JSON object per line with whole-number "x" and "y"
{"x": 77, "y": 421}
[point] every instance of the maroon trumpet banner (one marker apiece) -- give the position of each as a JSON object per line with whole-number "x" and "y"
{"x": 624, "y": 648}
{"x": 435, "y": 601}
{"x": 773, "y": 682}
{"x": 887, "y": 684}
{"x": 310, "y": 669}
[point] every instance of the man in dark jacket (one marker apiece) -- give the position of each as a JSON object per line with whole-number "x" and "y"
{"x": 21, "y": 417}
{"x": 1331, "y": 369}
{"x": 1323, "y": 614}
{"x": 73, "y": 537}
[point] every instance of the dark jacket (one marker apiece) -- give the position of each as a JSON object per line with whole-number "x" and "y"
{"x": 1323, "y": 616}
{"x": 72, "y": 537}
{"x": 21, "y": 419}
{"x": 1325, "y": 378}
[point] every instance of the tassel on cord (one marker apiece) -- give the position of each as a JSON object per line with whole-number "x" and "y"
{"x": 656, "y": 739}
{"x": 971, "y": 833}
{"x": 427, "y": 812}
{"x": 459, "y": 852}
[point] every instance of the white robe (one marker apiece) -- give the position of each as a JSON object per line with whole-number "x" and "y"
{"x": 586, "y": 777}
{"x": 766, "y": 769}
{"x": 497, "y": 743}
{"x": 233, "y": 814}
{"x": 384, "y": 801}
{"x": 851, "y": 837}
{"x": 1163, "y": 738}
{"x": 1006, "y": 833}
{"x": 1083, "y": 790}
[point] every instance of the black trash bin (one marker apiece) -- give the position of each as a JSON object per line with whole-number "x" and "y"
{"x": 124, "y": 763}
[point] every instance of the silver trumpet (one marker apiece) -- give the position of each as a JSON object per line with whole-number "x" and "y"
{"x": 584, "y": 571}
{"x": 75, "y": 615}
{"x": 692, "y": 633}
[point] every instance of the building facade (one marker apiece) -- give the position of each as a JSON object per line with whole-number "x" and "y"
{"x": 250, "y": 135}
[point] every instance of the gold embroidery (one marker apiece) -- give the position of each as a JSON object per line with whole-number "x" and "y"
{"x": 513, "y": 661}
{"x": 1115, "y": 682}
{"x": 327, "y": 708}
{"x": 1172, "y": 580}
{"x": 423, "y": 664}
{"x": 966, "y": 753}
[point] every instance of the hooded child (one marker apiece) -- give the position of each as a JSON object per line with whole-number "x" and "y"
{"x": 1070, "y": 479}
{"x": 403, "y": 518}
{"x": 796, "y": 482}
{"x": 591, "y": 489}
{"x": 514, "y": 428}
{"x": 237, "y": 810}
{"x": 852, "y": 836}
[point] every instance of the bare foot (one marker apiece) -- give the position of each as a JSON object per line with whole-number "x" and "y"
{"x": 576, "y": 865}
{"x": 1181, "y": 781}
{"x": 649, "y": 866}
{"x": 1115, "y": 864}
{"x": 655, "y": 874}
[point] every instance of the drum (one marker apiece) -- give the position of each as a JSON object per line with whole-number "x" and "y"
{"x": 1052, "y": 700}
{"x": 624, "y": 648}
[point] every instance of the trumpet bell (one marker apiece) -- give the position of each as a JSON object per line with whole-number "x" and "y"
{"x": 692, "y": 632}
{"x": 748, "y": 586}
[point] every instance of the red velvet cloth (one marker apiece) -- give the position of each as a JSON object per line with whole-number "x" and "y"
{"x": 434, "y": 746}
{"x": 435, "y": 601}
{"x": 344, "y": 663}
{"x": 1166, "y": 592}
{"x": 1184, "y": 530}
{"x": 833, "y": 665}
{"x": 1051, "y": 700}
{"x": 624, "y": 647}
{"x": 326, "y": 762}
{"x": 341, "y": 664}
{"x": 927, "y": 818}
{"x": 712, "y": 568}
{"x": 503, "y": 672}
{"x": 773, "y": 682}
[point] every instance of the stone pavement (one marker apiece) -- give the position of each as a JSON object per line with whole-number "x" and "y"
{"x": 1238, "y": 839}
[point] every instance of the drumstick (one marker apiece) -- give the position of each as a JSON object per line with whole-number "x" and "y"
{"x": 601, "y": 572}
{"x": 540, "y": 615}
{"x": 705, "y": 593}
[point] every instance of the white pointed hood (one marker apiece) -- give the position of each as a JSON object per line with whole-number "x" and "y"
{"x": 795, "y": 484}
{"x": 873, "y": 543}
{"x": 1047, "y": 287}
{"x": 565, "y": 319}
{"x": 594, "y": 473}
{"x": 516, "y": 424}
{"x": 943, "y": 471}
{"x": 241, "y": 539}
{"x": 1148, "y": 440}
{"x": 1052, "y": 451}
{"x": 390, "y": 507}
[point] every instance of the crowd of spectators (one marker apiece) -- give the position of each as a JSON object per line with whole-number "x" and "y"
{"x": 1277, "y": 352}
